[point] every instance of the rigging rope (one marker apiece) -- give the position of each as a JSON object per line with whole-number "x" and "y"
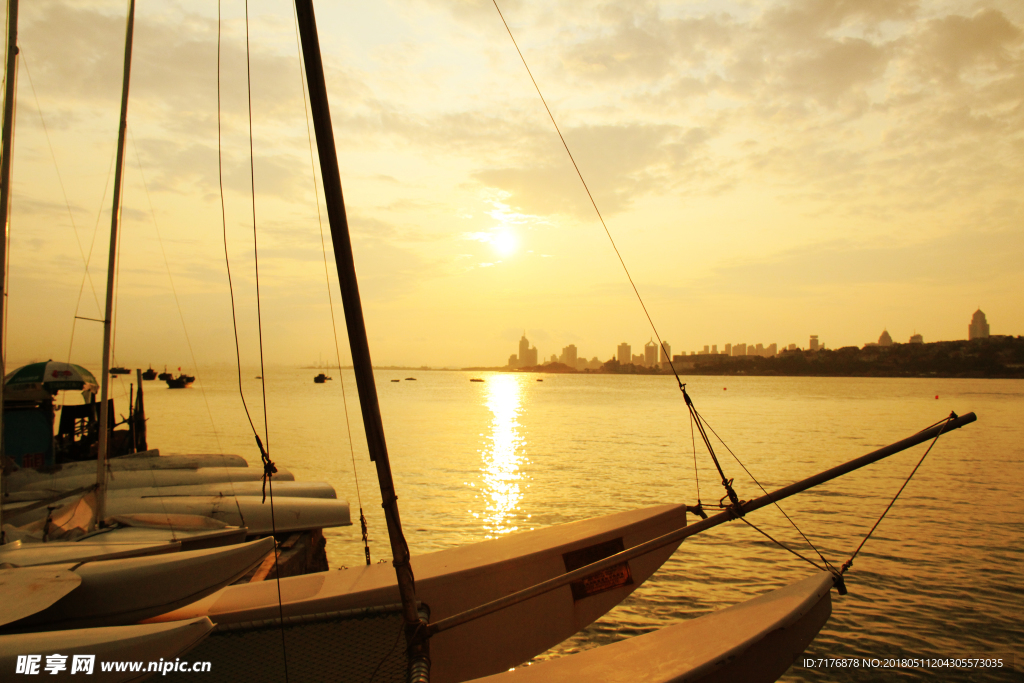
{"x": 701, "y": 420}
{"x": 269, "y": 469}
{"x": 330, "y": 298}
{"x": 174, "y": 292}
{"x": 849, "y": 562}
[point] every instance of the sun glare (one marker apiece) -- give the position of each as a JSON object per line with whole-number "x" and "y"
{"x": 504, "y": 243}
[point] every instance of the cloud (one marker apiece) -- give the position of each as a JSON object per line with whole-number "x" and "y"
{"x": 964, "y": 256}
{"x": 618, "y": 162}
{"x": 956, "y": 44}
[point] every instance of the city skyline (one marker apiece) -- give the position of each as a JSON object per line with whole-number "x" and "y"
{"x": 655, "y": 354}
{"x": 767, "y": 171}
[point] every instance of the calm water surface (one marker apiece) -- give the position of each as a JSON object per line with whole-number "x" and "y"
{"x": 474, "y": 460}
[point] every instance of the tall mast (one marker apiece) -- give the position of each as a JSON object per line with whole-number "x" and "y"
{"x": 101, "y": 453}
{"x": 10, "y": 73}
{"x": 358, "y": 344}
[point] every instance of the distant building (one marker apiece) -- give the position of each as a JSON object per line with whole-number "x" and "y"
{"x": 651, "y": 354}
{"x": 714, "y": 349}
{"x": 728, "y": 349}
{"x": 637, "y": 359}
{"x": 666, "y": 353}
{"x": 813, "y": 346}
{"x": 527, "y": 353}
{"x": 884, "y": 339}
{"x": 513, "y": 361}
{"x": 772, "y": 350}
{"x": 979, "y": 326}
{"x": 568, "y": 356}
{"x": 704, "y": 352}
{"x": 739, "y": 349}
{"x": 792, "y": 347}
{"x": 916, "y": 339}
{"x": 625, "y": 354}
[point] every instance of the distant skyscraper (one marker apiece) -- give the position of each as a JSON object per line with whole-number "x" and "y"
{"x": 884, "y": 339}
{"x": 814, "y": 343}
{"x": 666, "y": 351}
{"x": 650, "y": 354}
{"x": 979, "y": 326}
{"x": 568, "y": 356}
{"x": 772, "y": 350}
{"x": 739, "y": 349}
{"x": 916, "y": 339}
{"x": 728, "y": 349}
{"x": 625, "y": 354}
{"x": 527, "y": 354}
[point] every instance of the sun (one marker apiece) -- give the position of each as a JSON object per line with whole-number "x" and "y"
{"x": 504, "y": 243}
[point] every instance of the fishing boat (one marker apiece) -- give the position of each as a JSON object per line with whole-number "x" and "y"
{"x": 149, "y": 374}
{"x": 180, "y": 382}
{"x": 321, "y": 378}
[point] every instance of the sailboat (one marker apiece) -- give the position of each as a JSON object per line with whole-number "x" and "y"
{"x": 111, "y": 582}
{"x": 478, "y": 610}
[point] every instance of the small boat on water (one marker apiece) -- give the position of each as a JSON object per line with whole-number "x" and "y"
{"x": 149, "y": 374}
{"x": 119, "y": 371}
{"x": 164, "y": 375}
{"x": 179, "y": 382}
{"x": 321, "y": 378}
{"x": 475, "y": 379}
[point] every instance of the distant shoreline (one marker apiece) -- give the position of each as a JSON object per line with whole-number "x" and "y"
{"x": 998, "y": 357}
{"x": 989, "y": 358}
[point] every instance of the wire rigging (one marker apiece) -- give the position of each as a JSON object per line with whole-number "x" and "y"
{"x": 174, "y": 291}
{"x": 330, "y": 298}
{"x": 849, "y": 562}
{"x": 695, "y": 417}
{"x": 269, "y": 469}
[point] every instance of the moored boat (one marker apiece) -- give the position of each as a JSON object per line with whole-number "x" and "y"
{"x": 180, "y": 382}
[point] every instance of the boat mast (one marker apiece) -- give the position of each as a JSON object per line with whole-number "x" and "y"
{"x": 417, "y": 645}
{"x": 5, "y": 199}
{"x": 103, "y": 446}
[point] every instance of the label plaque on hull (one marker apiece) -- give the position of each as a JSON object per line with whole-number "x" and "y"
{"x": 613, "y": 577}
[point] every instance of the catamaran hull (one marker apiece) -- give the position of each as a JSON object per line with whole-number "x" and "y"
{"x": 133, "y": 479}
{"x": 117, "y": 592}
{"x": 448, "y": 582}
{"x": 138, "y": 643}
{"x": 754, "y": 642}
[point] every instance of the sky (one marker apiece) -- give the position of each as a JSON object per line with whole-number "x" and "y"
{"x": 768, "y": 170}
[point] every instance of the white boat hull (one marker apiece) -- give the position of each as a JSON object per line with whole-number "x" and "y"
{"x": 455, "y": 580}
{"x": 136, "y": 643}
{"x": 754, "y": 642}
{"x": 42, "y": 486}
{"x": 115, "y": 592}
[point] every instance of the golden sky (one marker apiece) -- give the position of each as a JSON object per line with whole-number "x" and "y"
{"x": 769, "y": 170}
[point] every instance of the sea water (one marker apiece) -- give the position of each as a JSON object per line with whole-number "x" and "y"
{"x": 940, "y": 578}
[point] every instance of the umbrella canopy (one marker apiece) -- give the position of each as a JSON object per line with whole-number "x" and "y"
{"x": 51, "y": 376}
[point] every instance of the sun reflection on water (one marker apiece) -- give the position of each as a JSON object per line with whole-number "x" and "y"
{"x": 503, "y": 457}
